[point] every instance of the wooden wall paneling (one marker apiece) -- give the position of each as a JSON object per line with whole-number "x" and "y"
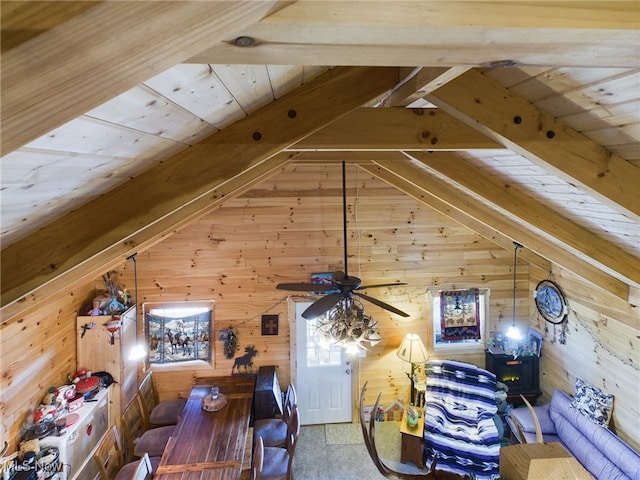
{"x": 239, "y": 296}
{"x": 37, "y": 351}
{"x": 236, "y": 258}
{"x": 601, "y": 348}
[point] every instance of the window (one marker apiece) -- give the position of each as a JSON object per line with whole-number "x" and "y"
{"x": 439, "y": 341}
{"x": 178, "y": 332}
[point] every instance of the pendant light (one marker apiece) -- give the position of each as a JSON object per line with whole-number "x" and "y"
{"x": 513, "y": 332}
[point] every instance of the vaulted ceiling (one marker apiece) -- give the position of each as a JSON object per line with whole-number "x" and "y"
{"x": 519, "y": 119}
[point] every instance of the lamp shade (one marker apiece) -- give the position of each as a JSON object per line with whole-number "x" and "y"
{"x": 412, "y": 349}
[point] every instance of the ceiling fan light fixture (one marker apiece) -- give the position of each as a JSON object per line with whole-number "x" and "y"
{"x": 348, "y": 326}
{"x": 340, "y": 317}
{"x": 352, "y": 348}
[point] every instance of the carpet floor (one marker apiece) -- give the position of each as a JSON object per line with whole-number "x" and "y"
{"x": 337, "y": 452}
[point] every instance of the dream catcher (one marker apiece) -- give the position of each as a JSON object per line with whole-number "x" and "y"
{"x": 552, "y": 305}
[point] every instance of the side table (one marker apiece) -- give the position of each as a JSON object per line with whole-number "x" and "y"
{"x": 540, "y": 460}
{"x": 412, "y": 441}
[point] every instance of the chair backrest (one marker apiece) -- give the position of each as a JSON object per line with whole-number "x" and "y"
{"x": 108, "y": 455}
{"x": 143, "y": 471}
{"x": 132, "y": 424}
{"x": 536, "y": 423}
{"x": 290, "y": 399}
{"x": 293, "y": 433}
{"x": 257, "y": 460}
{"x": 369, "y": 434}
{"x": 149, "y": 398}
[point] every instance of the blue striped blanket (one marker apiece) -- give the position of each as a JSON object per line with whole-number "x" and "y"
{"x": 459, "y": 419}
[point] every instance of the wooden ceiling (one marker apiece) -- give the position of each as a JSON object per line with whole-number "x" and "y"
{"x": 122, "y": 121}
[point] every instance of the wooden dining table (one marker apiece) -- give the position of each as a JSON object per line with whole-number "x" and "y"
{"x": 210, "y": 445}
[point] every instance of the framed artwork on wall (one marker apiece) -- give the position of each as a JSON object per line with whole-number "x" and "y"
{"x": 551, "y": 302}
{"x": 269, "y": 324}
{"x": 180, "y": 339}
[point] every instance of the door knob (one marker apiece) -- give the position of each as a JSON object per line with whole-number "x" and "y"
{"x": 348, "y": 371}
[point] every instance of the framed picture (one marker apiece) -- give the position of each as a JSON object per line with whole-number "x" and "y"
{"x": 172, "y": 339}
{"x": 323, "y": 278}
{"x": 535, "y": 342}
{"x": 269, "y": 324}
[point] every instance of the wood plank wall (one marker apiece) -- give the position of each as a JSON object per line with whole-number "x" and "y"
{"x": 290, "y": 226}
{"x": 37, "y": 351}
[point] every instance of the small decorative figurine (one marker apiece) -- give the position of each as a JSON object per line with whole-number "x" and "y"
{"x": 96, "y": 309}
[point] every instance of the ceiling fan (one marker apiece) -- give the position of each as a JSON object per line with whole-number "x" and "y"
{"x": 347, "y": 286}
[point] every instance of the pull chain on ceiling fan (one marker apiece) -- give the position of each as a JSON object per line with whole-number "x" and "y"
{"x": 347, "y": 286}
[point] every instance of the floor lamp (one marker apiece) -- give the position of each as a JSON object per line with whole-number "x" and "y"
{"x": 412, "y": 350}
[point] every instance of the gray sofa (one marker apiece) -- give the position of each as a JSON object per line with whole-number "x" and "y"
{"x": 597, "y": 448}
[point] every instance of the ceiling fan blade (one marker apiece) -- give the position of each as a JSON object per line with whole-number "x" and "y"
{"x": 382, "y": 304}
{"x": 321, "y": 306}
{"x": 305, "y": 287}
{"x": 363, "y": 287}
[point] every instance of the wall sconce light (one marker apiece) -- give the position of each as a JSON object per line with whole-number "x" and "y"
{"x": 138, "y": 352}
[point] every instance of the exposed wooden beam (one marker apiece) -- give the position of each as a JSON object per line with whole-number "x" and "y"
{"x": 181, "y": 187}
{"x": 154, "y": 233}
{"x": 352, "y": 157}
{"x": 396, "y": 129}
{"x": 441, "y": 33}
{"x": 424, "y": 81}
{"x": 22, "y": 21}
{"x": 85, "y": 61}
{"x": 537, "y": 136}
{"x": 572, "y": 238}
{"x": 465, "y": 209}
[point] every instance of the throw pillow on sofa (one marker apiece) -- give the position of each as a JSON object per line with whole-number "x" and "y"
{"x": 593, "y": 402}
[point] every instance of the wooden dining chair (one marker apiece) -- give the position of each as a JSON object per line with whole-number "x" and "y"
{"x": 369, "y": 434}
{"x": 155, "y": 412}
{"x": 143, "y": 470}
{"x": 278, "y": 462}
{"x": 257, "y": 460}
{"x": 274, "y": 430}
{"x": 109, "y": 457}
{"x": 140, "y": 440}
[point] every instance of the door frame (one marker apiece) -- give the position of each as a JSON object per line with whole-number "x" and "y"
{"x": 293, "y": 349}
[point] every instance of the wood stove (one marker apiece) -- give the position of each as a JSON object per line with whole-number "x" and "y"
{"x": 520, "y": 374}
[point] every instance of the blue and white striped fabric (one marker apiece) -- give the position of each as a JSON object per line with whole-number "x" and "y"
{"x": 459, "y": 422}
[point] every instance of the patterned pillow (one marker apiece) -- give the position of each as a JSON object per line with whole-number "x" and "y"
{"x": 593, "y": 402}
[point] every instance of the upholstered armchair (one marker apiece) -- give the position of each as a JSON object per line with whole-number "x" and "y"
{"x": 459, "y": 412}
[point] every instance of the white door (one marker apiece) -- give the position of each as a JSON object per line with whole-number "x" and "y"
{"x": 323, "y": 375}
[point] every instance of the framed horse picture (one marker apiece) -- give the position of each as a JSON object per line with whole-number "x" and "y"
{"x": 182, "y": 339}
